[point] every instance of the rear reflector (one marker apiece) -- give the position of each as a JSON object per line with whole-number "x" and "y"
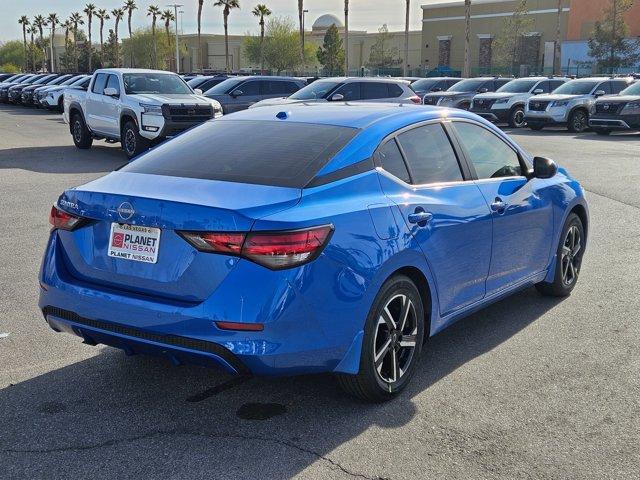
{"x": 63, "y": 220}
{"x": 246, "y": 327}
{"x": 274, "y": 250}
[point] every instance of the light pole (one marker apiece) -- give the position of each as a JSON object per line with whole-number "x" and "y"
{"x": 346, "y": 36}
{"x": 53, "y": 68}
{"x": 175, "y": 19}
{"x": 304, "y": 12}
{"x": 181, "y": 12}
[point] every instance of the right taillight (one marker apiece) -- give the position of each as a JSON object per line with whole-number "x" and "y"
{"x": 274, "y": 250}
{"x": 63, "y": 220}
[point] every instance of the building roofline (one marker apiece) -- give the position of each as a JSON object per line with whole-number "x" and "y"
{"x": 458, "y": 3}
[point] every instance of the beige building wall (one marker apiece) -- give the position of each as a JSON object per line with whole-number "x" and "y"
{"x": 445, "y": 21}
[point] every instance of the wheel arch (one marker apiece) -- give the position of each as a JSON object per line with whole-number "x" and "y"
{"x": 75, "y": 109}
{"x": 420, "y": 280}
{"x": 128, "y": 115}
{"x": 581, "y": 212}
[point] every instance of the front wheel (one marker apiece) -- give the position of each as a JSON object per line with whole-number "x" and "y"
{"x": 568, "y": 259}
{"x": 392, "y": 343}
{"x": 516, "y": 118}
{"x": 578, "y": 121}
{"x": 133, "y": 143}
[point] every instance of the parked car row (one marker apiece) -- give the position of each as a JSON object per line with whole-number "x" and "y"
{"x": 40, "y": 90}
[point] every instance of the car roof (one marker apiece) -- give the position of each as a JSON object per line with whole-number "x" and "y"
{"x": 131, "y": 70}
{"x": 263, "y": 77}
{"x": 353, "y": 115}
{"x": 366, "y": 79}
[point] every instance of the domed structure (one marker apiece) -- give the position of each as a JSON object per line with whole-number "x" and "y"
{"x": 323, "y": 22}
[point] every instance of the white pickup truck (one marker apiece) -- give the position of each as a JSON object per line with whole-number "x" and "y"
{"x": 135, "y": 107}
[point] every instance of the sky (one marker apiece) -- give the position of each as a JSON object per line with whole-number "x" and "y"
{"x": 363, "y": 14}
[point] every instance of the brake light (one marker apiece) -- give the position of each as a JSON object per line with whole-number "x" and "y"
{"x": 63, "y": 220}
{"x": 274, "y": 250}
{"x": 416, "y": 99}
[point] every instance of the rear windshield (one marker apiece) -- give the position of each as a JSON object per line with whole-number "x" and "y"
{"x": 274, "y": 153}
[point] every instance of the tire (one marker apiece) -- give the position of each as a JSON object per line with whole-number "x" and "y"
{"x": 465, "y": 106}
{"x": 578, "y": 121}
{"x": 60, "y": 107}
{"x": 132, "y": 142}
{"x": 568, "y": 259}
{"x": 80, "y": 133}
{"x": 516, "y": 117}
{"x": 379, "y": 381}
{"x": 602, "y": 131}
{"x": 535, "y": 126}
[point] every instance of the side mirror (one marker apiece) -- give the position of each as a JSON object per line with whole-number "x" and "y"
{"x": 599, "y": 93}
{"x": 544, "y": 167}
{"x": 437, "y": 89}
{"x": 337, "y": 97}
{"x": 483, "y": 90}
{"x": 198, "y": 91}
{"x": 538, "y": 91}
{"x": 237, "y": 93}
{"x": 111, "y": 92}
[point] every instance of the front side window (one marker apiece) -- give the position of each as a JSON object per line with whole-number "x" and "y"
{"x": 490, "y": 156}
{"x": 518, "y": 86}
{"x": 113, "y": 82}
{"x": 617, "y": 86}
{"x": 158, "y": 83}
{"x": 99, "y": 83}
{"x": 315, "y": 90}
{"x": 350, "y": 91}
{"x": 429, "y": 155}
{"x": 389, "y": 157}
{"x": 470, "y": 85}
{"x": 556, "y": 84}
{"x": 252, "y": 87}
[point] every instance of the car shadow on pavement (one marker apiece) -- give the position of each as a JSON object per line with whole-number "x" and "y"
{"x": 19, "y": 110}
{"x": 63, "y": 159}
{"x": 112, "y": 416}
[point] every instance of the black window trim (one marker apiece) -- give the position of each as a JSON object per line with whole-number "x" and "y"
{"x": 462, "y": 162}
{"x": 524, "y": 165}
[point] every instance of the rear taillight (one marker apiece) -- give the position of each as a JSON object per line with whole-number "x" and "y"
{"x": 416, "y": 99}
{"x": 274, "y": 250}
{"x": 63, "y": 220}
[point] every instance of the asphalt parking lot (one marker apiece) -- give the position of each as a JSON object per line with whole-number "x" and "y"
{"x": 531, "y": 387}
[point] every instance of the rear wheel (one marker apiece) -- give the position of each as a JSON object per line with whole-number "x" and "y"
{"x": 568, "y": 259}
{"x": 133, "y": 143}
{"x": 80, "y": 133}
{"x": 392, "y": 343}
{"x": 516, "y": 118}
{"x": 578, "y": 121}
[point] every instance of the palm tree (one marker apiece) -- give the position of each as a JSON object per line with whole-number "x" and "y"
{"x": 67, "y": 25}
{"x": 76, "y": 19}
{"x": 40, "y": 22}
{"x": 33, "y": 30}
{"x": 346, "y": 36}
{"x": 406, "y": 38}
{"x": 130, "y": 6}
{"x": 168, "y": 17}
{"x": 103, "y": 15}
{"x": 261, "y": 10}
{"x": 301, "y": 24}
{"x": 53, "y": 21}
{"x": 228, "y": 5}
{"x": 90, "y": 11}
{"x": 117, "y": 13}
{"x": 466, "y": 73}
{"x": 200, "y": 4}
{"x": 24, "y": 21}
{"x": 154, "y": 12}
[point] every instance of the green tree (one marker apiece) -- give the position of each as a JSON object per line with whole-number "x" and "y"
{"x": 331, "y": 53}
{"x": 76, "y": 19}
{"x": 507, "y": 45}
{"x": 90, "y": 11}
{"x": 24, "y": 22}
{"x": 140, "y": 47}
{"x": 130, "y": 6}
{"x": 381, "y": 55}
{"x": 281, "y": 47}
{"x": 12, "y": 53}
{"x": 54, "y": 21}
{"x": 608, "y": 44}
{"x": 168, "y": 17}
{"x": 117, "y": 13}
{"x": 227, "y": 5}
{"x": 109, "y": 52}
{"x": 154, "y": 12}
{"x": 40, "y": 22}
{"x": 262, "y": 11}
{"x": 103, "y": 15}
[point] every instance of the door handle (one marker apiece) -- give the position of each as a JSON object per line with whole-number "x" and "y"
{"x": 498, "y": 205}
{"x": 420, "y": 217}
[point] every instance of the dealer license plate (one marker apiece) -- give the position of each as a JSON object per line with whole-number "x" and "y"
{"x": 133, "y": 242}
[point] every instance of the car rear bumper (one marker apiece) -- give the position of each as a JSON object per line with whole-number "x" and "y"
{"x": 616, "y": 122}
{"x": 293, "y": 341}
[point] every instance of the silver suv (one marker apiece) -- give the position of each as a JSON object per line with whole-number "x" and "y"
{"x": 569, "y": 104}
{"x": 507, "y": 104}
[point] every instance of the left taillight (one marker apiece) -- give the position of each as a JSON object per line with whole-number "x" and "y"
{"x": 63, "y": 220}
{"x": 274, "y": 250}
{"x": 416, "y": 99}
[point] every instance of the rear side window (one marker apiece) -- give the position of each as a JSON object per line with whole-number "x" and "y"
{"x": 618, "y": 86}
{"x": 290, "y": 87}
{"x": 273, "y": 87}
{"x": 277, "y": 153}
{"x": 373, "y": 90}
{"x": 394, "y": 90}
{"x": 498, "y": 84}
{"x": 429, "y": 155}
{"x": 389, "y": 157}
{"x": 99, "y": 83}
{"x": 555, "y": 84}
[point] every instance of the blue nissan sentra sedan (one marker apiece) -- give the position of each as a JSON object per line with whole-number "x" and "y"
{"x": 319, "y": 238}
